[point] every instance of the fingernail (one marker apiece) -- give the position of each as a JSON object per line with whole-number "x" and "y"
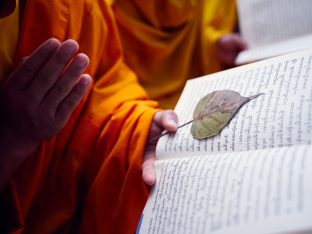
{"x": 85, "y": 80}
{"x": 53, "y": 44}
{"x": 70, "y": 47}
{"x": 81, "y": 61}
{"x": 172, "y": 122}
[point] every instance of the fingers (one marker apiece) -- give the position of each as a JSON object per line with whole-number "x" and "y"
{"x": 229, "y": 47}
{"x": 35, "y": 119}
{"x": 50, "y": 72}
{"x": 167, "y": 120}
{"x": 240, "y": 43}
{"x": 162, "y": 120}
{"x": 32, "y": 65}
{"x": 67, "y": 106}
{"x": 148, "y": 169}
{"x": 65, "y": 84}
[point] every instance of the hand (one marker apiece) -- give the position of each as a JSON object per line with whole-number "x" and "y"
{"x": 38, "y": 98}
{"x": 228, "y": 47}
{"x": 163, "y": 120}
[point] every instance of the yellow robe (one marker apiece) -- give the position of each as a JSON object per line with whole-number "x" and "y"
{"x": 169, "y": 42}
{"x": 87, "y": 179}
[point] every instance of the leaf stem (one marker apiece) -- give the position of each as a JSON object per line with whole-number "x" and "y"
{"x": 167, "y": 132}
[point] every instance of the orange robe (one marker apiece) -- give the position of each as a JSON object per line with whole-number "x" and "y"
{"x": 169, "y": 42}
{"x": 87, "y": 179}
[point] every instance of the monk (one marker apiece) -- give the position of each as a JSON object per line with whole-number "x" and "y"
{"x": 75, "y": 124}
{"x": 169, "y": 42}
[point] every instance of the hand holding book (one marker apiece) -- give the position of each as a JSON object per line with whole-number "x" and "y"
{"x": 253, "y": 177}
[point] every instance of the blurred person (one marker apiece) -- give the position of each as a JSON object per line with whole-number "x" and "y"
{"x": 75, "y": 123}
{"x": 168, "y": 42}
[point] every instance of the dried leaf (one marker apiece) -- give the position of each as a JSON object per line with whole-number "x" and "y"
{"x": 214, "y": 112}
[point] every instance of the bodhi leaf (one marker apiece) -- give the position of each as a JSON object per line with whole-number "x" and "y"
{"x": 214, "y": 111}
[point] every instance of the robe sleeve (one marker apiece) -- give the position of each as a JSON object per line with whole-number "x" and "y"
{"x": 117, "y": 106}
{"x": 87, "y": 179}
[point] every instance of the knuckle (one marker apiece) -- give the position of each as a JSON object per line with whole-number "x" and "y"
{"x": 44, "y": 79}
{"x": 61, "y": 57}
{"x": 74, "y": 72}
{"x": 70, "y": 104}
{"x": 60, "y": 90}
{"x": 27, "y": 69}
{"x": 78, "y": 93}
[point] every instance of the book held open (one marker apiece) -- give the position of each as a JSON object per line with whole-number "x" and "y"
{"x": 256, "y": 175}
{"x": 272, "y": 28}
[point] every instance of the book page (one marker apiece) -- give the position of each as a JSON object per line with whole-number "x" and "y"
{"x": 274, "y": 49}
{"x": 282, "y": 116}
{"x": 263, "y": 22}
{"x": 264, "y": 191}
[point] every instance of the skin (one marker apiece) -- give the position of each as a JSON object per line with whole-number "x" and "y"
{"x": 39, "y": 96}
{"x": 162, "y": 120}
{"x": 229, "y": 47}
{"x": 37, "y": 100}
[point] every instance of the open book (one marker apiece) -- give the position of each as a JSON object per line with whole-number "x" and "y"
{"x": 256, "y": 175}
{"x": 272, "y": 28}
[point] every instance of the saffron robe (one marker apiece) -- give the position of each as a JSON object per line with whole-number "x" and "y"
{"x": 168, "y": 42}
{"x": 87, "y": 179}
